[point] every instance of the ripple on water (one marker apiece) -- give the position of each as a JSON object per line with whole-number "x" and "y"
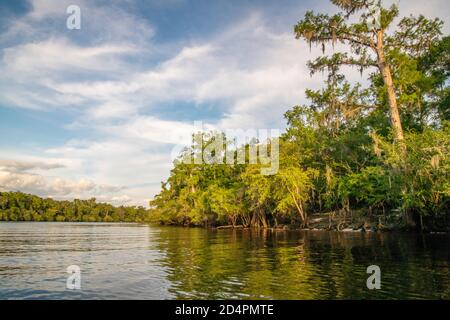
{"x": 136, "y": 261}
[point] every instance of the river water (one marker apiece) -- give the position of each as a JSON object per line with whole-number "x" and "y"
{"x": 137, "y": 261}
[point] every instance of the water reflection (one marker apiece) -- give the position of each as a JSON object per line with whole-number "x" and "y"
{"x": 133, "y": 261}
{"x": 303, "y": 265}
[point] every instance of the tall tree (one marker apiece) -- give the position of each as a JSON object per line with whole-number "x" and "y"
{"x": 368, "y": 42}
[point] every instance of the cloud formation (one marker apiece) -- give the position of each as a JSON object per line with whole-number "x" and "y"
{"x": 32, "y": 176}
{"x": 20, "y": 165}
{"x": 38, "y": 184}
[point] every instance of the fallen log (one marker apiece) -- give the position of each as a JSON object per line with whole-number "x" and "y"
{"x": 224, "y": 227}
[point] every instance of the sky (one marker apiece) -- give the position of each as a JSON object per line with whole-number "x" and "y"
{"x": 98, "y": 112}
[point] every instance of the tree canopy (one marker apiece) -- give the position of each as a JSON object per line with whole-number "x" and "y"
{"x": 18, "y": 206}
{"x": 380, "y": 149}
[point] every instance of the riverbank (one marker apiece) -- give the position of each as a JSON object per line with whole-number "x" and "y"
{"x": 354, "y": 221}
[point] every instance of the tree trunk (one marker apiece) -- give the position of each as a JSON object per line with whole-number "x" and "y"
{"x": 299, "y": 208}
{"x": 387, "y": 79}
{"x": 245, "y": 220}
{"x": 254, "y": 221}
{"x": 262, "y": 218}
{"x": 233, "y": 220}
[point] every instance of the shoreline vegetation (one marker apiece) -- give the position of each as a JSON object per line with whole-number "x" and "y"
{"x": 372, "y": 155}
{"x": 23, "y": 207}
{"x": 18, "y": 206}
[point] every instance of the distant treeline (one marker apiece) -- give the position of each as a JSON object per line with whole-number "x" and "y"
{"x": 18, "y": 206}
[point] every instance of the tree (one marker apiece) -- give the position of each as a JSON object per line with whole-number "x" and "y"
{"x": 294, "y": 190}
{"x": 368, "y": 42}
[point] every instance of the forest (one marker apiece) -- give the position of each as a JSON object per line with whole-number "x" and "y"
{"x": 371, "y": 154}
{"x": 18, "y": 206}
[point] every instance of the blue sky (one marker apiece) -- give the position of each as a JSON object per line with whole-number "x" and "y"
{"x": 98, "y": 111}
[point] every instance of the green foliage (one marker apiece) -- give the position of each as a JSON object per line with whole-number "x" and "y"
{"x": 340, "y": 152}
{"x": 18, "y": 206}
{"x": 421, "y": 180}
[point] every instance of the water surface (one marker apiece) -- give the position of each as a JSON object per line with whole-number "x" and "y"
{"x": 137, "y": 261}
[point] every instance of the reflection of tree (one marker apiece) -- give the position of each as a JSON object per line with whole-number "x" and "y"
{"x": 239, "y": 264}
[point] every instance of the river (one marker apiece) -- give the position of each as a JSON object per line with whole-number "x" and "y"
{"x": 138, "y": 261}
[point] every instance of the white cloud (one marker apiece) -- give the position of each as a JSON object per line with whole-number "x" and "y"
{"x": 268, "y": 76}
{"x": 20, "y": 165}
{"x": 121, "y": 199}
{"x": 59, "y": 55}
{"x": 151, "y": 129}
{"x": 40, "y": 185}
{"x": 21, "y": 181}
